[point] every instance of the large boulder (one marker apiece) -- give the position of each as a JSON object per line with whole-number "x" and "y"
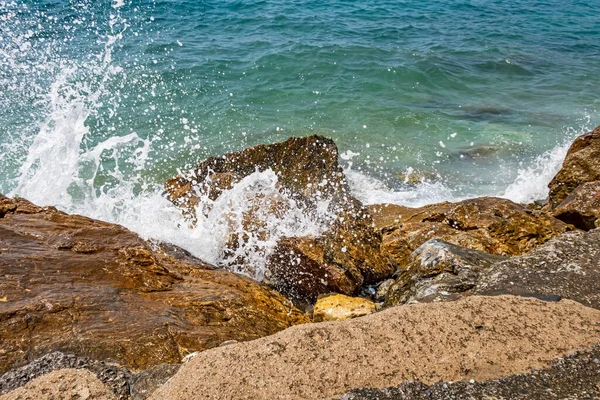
{"x": 439, "y": 271}
{"x": 489, "y": 224}
{"x": 340, "y": 258}
{"x": 582, "y": 207}
{"x": 581, "y": 165}
{"x": 94, "y": 289}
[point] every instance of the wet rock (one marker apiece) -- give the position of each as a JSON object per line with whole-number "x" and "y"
{"x": 146, "y": 382}
{"x": 113, "y": 376}
{"x": 382, "y": 290}
{"x": 97, "y": 290}
{"x": 581, "y": 165}
{"x": 337, "y": 307}
{"x": 575, "y": 376}
{"x": 63, "y": 384}
{"x": 342, "y": 258}
{"x": 438, "y": 270}
{"x": 493, "y": 225}
{"x": 582, "y": 207}
{"x": 568, "y": 266}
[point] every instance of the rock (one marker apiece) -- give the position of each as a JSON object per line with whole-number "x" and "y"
{"x": 146, "y": 382}
{"x": 474, "y": 338}
{"x": 382, "y": 290}
{"x": 114, "y": 377}
{"x": 97, "y": 290}
{"x": 575, "y": 376}
{"x": 493, "y": 225}
{"x": 63, "y": 384}
{"x": 582, "y": 207}
{"x": 342, "y": 258}
{"x": 581, "y": 165}
{"x": 337, "y": 307}
{"x": 567, "y": 266}
{"x": 438, "y": 270}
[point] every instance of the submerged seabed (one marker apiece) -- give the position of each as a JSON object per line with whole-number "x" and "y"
{"x": 101, "y": 102}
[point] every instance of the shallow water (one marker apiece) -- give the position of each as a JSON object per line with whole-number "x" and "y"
{"x": 101, "y": 102}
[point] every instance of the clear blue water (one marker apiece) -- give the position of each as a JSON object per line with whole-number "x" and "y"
{"x": 469, "y": 93}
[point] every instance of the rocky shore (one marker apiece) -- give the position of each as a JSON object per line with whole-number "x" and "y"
{"x": 482, "y": 298}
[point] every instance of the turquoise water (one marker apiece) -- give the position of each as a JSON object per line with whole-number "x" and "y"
{"x": 470, "y": 94}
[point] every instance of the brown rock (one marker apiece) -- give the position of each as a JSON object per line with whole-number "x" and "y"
{"x": 581, "y": 165}
{"x": 474, "y": 338}
{"x": 63, "y": 384}
{"x": 95, "y": 289}
{"x": 340, "y": 260}
{"x": 493, "y": 225}
{"x": 582, "y": 207}
{"x": 337, "y": 307}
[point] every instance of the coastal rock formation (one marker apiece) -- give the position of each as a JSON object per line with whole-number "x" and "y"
{"x": 489, "y": 224}
{"x": 337, "y": 307}
{"x": 572, "y": 377}
{"x": 581, "y": 165}
{"x": 439, "y": 270}
{"x": 346, "y": 255}
{"x": 582, "y": 207}
{"x": 94, "y": 289}
{"x": 474, "y": 338}
{"x": 77, "y": 384}
{"x": 568, "y": 266}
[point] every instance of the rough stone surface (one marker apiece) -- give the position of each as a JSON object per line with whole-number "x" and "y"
{"x": 71, "y": 384}
{"x": 146, "y": 382}
{"x": 574, "y": 377}
{"x": 337, "y": 307}
{"x": 439, "y": 270}
{"x": 113, "y": 376}
{"x": 581, "y": 165}
{"x": 97, "y": 290}
{"x": 474, "y": 338}
{"x": 493, "y": 225}
{"x": 566, "y": 266}
{"x": 582, "y": 207}
{"x": 344, "y": 257}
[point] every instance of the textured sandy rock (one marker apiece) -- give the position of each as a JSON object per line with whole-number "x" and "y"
{"x": 97, "y": 290}
{"x": 474, "y": 338}
{"x": 337, "y": 307}
{"x": 493, "y": 225}
{"x": 344, "y": 257}
{"x": 581, "y": 165}
{"x": 438, "y": 270}
{"x": 65, "y": 384}
{"x": 574, "y": 377}
{"x": 582, "y": 207}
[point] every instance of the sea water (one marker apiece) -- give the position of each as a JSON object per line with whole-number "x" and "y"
{"x": 102, "y": 101}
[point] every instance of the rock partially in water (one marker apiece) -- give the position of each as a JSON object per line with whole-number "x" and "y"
{"x": 439, "y": 271}
{"x": 97, "y": 290}
{"x": 581, "y": 165}
{"x": 340, "y": 259}
{"x": 575, "y": 376}
{"x": 582, "y": 207}
{"x": 337, "y": 307}
{"x": 489, "y": 224}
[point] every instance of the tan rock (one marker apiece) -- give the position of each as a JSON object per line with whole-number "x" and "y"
{"x": 63, "y": 384}
{"x": 493, "y": 225}
{"x": 474, "y": 338}
{"x": 94, "y": 289}
{"x": 338, "y": 307}
{"x": 582, "y": 207}
{"x": 581, "y": 165}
